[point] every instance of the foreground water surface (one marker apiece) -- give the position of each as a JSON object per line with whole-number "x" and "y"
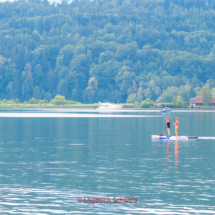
{"x": 60, "y": 165}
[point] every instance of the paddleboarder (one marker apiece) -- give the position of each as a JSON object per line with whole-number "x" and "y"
{"x": 168, "y": 125}
{"x": 176, "y": 126}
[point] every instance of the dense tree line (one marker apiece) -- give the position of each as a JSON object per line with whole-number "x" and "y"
{"x": 106, "y": 50}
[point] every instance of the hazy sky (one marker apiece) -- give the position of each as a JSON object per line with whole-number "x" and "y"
{"x": 51, "y": 1}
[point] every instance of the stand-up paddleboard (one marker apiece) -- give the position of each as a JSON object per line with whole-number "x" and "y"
{"x": 173, "y": 137}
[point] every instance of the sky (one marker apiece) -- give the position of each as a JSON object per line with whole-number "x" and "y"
{"x": 51, "y": 1}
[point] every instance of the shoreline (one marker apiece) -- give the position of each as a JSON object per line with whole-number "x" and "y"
{"x": 25, "y": 106}
{"x": 81, "y": 106}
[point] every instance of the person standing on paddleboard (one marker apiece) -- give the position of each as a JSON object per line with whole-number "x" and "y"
{"x": 168, "y": 125}
{"x": 176, "y": 126}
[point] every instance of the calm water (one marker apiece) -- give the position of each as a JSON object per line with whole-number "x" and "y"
{"x": 49, "y": 163}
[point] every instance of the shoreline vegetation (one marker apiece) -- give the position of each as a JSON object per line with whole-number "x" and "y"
{"x": 61, "y": 102}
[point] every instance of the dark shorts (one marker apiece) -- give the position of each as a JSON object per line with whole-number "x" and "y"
{"x": 168, "y": 125}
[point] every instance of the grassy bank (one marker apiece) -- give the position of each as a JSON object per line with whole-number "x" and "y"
{"x": 57, "y": 102}
{"x": 96, "y": 105}
{"x": 60, "y": 102}
{"x": 48, "y": 105}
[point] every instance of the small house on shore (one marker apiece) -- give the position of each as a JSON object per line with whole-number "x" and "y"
{"x": 192, "y": 101}
{"x": 198, "y": 101}
{"x": 213, "y": 101}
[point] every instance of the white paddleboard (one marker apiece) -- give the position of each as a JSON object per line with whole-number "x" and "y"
{"x": 173, "y": 137}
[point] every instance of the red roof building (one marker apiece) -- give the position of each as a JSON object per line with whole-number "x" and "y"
{"x": 198, "y": 101}
{"x": 213, "y": 100}
{"x": 192, "y": 101}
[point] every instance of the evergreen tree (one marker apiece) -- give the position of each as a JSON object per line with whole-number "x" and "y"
{"x": 36, "y": 94}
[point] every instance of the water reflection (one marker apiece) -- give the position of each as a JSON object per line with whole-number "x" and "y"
{"x": 168, "y": 155}
{"x": 176, "y": 155}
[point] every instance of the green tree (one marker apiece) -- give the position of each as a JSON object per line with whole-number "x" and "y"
{"x": 178, "y": 101}
{"x": 146, "y": 103}
{"x": 27, "y": 83}
{"x": 38, "y": 75}
{"x": 206, "y": 95}
{"x": 175, "y": 99}
{"x": 65, "y": 56}
{"x": 9, "y": 90}
{"x": 63, "y": 73}
{"x": 63, "y": 87}
{"x": 192, "y": 93}
{"x": 48, "y": 96}
{"x": 168, "y": 94}
{"x": 58, "y": 100}
{"x": 130, "y": 100}
{"x": 16, "y": 84}
{"x": 76, "y": 91}
{"x": 106, "y": 56}
{"x": 37, "y": 94}
{"x": 90, "y": 94}
{"x": 213, "y": 92}
{"x": 36, "y": 36}
{"x": 91, "y": 90}
{"x": 140, "y": 94}
{"x": 124, "y": 80}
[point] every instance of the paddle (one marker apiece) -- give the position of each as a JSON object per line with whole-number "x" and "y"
{"x": 164, "y": 130}
{"x": 173, "y": 119}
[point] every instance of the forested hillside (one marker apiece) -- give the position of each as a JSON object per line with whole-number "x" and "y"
{"x": 106, "y": 50}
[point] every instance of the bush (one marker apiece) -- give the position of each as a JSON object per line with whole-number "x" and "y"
{"x": 33, "y": 101}
{"x": 4, "y": 101}
{"x": 16, "y": 100}
{"x": 146, "y": 103}
{"x": 170, "y": 105}
{"x": 186, "y": 104}
{"x": 130, "y": 105}
{"x": 131, "y": 100}
{"x": 72, "y": 102}
{"x": 11, "y": 101}
{"x": 59, "y": 100}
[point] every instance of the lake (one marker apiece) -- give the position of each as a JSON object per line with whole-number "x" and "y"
{"x": 64, "y": 161}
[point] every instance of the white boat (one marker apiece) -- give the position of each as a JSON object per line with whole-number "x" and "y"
{"x": 108, "y": 106}
{"x": 173, "y": 137}
{"x": 166, "y": 109}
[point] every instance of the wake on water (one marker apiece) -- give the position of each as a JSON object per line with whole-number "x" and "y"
{"x": 206, "y": 138}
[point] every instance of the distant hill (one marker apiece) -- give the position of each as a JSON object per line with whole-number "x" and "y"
{"x": 106, "y": 50}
